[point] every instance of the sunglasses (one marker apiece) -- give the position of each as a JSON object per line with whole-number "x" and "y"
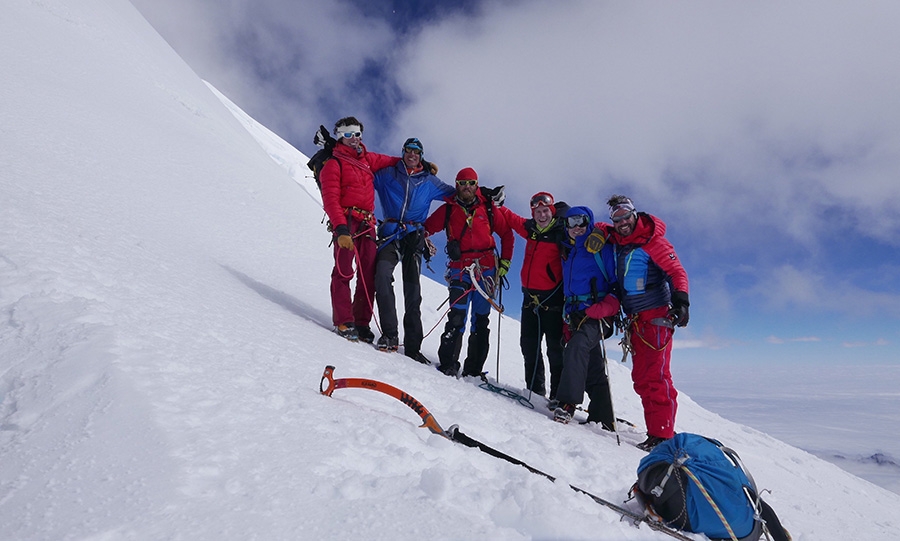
{"x": 579, "y": 220}
{"x": 622, "y": 218}
{"x": 541, "y": 200}
{"x": 413, "y": 150}
{"x": 467, "y": 182}
{"x": 349, "y": 134}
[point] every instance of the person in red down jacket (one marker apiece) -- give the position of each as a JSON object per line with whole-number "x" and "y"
{"x": 348, "y": 195}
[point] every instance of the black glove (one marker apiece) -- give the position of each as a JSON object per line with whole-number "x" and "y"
{"x": 323, "y": 138}
{"x": 575, "y": 320}
{"x": 595, "y": 241}
{"x": 497, "y": 195}
{"x": 679, "y": 313}
{"x": 561, "y": 209}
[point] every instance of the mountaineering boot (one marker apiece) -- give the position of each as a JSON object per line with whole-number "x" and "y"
{"x": 650, "y": 443}
{"x": 600, "y": 408}
{"x": 450, "y": 370}
{"x": 605, "y": 426}
{"x": 451, "y": 342}
{"x": 419, "y": 358}
{"x": 348, "y": 331}
{"x": 564, "y": 413}
{"x": 477, "y": 352}
{"x": 552, "y": 404}
{"x": 448, "y": 352}
{"x": 365, "y": 334}
{"x": 388, "y": 343}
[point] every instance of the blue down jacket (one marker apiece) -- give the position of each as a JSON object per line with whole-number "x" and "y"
{"x": 587, "y": 277}
{"x": 405, "y": 200}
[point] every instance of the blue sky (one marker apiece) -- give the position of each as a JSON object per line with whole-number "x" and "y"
{"x": 766, "y": 135}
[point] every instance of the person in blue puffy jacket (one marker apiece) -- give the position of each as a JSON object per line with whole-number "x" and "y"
{"x": 590, "y": 289}
{"x": 405, "y": 193}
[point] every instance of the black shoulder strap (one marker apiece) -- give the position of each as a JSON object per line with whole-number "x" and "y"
{"x": 448, "y": 208}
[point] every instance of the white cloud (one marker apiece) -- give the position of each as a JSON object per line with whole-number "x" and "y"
{"x": 710, "y": 111}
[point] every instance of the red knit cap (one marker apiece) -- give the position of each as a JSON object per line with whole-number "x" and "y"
{"x": 467, "y": 174}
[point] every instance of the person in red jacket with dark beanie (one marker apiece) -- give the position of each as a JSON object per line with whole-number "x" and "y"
{"x": 542, "y": 292}
{"x": 348, "y": 195}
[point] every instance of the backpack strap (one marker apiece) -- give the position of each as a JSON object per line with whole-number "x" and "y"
{"x": 710, "y": 500}
{"x": 599, "y": 261}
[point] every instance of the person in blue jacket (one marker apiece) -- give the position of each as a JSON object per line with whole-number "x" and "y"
{"x": 405, "y": 193}
{"x": 591, "y": 301}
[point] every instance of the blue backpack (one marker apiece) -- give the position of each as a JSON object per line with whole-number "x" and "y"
{"x": 696, "y": 484}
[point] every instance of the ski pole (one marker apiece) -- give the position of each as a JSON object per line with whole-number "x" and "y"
{"x": 609, "y": 383}
{"x": 499, "y": 319}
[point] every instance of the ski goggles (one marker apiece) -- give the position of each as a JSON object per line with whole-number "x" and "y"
{"x": 467, "y": 182}
{"x": 541, "y": 199}
{"x": 413, "y": 144}
{"x": 624, "y": 205}
{"x": 578, "y": 220}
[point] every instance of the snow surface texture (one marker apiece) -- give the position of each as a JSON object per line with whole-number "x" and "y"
{"x": 166, "y": 322}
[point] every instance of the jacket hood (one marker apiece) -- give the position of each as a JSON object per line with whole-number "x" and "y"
{"x": 575, "y": 211}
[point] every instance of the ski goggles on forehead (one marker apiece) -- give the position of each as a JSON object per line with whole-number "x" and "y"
{"x": 579, "y": 220}
{"x": 413, "y": 144}
{"x": 541, "y": 200}
{"x": 622, "y": 218}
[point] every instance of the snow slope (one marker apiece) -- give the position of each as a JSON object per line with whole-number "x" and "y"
{"x": 166, "y": 322}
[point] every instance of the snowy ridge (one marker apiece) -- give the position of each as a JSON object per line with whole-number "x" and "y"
{"x": 166, "y": 322}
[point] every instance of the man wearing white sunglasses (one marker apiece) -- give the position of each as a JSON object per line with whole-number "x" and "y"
{"x": 348, "y": 195}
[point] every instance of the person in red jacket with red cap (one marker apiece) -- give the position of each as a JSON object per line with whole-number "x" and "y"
{"x": 469, "y": 220}
{"x": 348, "y": 195}
{"x": 542, "y": 292}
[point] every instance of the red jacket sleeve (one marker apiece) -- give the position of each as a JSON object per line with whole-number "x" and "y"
{"x": 516, "y": 222}
{"x": 380, "y": 161}
{"x": 435, "y": 222}
{"x": 330, "y": 179}
{"x": 507, "y": 239}
{"x": 663, "y": 254}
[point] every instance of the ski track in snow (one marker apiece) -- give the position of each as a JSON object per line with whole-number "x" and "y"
{"x": 166, "y": 322}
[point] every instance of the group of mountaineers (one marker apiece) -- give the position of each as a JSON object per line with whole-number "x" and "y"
{"x": 581, "y": 279}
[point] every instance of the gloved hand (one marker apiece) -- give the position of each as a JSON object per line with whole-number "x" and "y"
{"x": 344, "y": 240}
{"x": 323, "y": 138}
{"x": 503, "y": 268}
{"x": 497, "y": 195}
{"x": 679, "y": 313}
{"x": 429, "y": 166}
{"x": 575, "y": 320}
{"x": 608, "y": 306}
{"x": 595, "y": 241}
{"x": 561, "y": 208}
